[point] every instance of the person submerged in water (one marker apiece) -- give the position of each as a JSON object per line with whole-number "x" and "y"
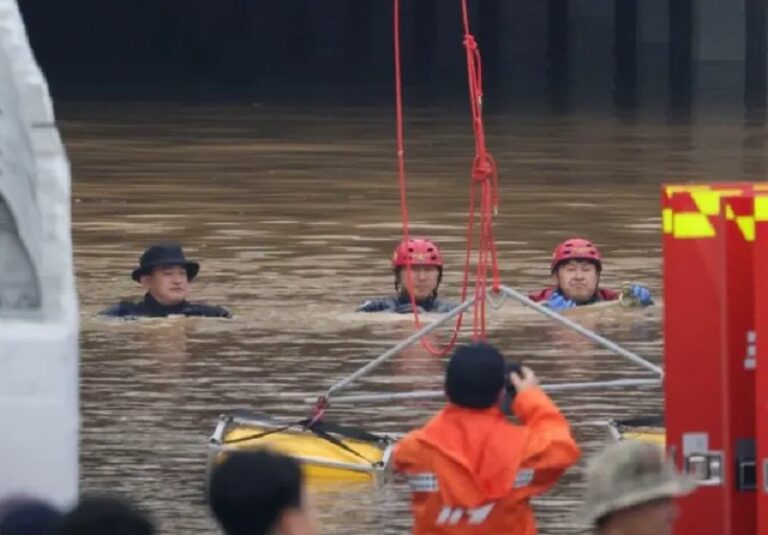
{"x": 576, "y": 267}
{"x": 165, "y": 274}
{"x": 426, "y": 273}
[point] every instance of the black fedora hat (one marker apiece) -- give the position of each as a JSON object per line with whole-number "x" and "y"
{"x": 164, "y": 254}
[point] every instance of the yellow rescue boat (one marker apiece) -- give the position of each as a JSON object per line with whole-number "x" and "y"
{"x": 326, "y": 451}
{"x": 645, "y": 429}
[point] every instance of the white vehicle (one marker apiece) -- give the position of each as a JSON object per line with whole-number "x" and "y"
{"x": 38, "y": 303}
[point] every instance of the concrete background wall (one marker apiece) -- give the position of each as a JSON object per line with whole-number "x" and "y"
{"x": 341, "y": 50}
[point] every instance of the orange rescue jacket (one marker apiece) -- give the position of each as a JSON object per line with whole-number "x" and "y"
{"x": 473, "y": 471}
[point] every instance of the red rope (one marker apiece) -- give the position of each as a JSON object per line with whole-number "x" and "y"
{"x": 403, "y": 196}
{"x": 318, "y": 411}
{"x": 484, "y": 179}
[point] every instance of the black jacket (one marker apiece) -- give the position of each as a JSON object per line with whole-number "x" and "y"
{"x": 149, "y": 307}
{"x": 401, "y": 304}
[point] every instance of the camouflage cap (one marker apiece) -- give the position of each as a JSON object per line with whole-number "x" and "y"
{"x": 630, "y": 473}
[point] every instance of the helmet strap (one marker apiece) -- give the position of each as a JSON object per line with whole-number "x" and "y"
{"x": 439, "y": 280}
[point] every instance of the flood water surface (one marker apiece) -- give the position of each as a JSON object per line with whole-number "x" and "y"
{"x": 293, "y": 214}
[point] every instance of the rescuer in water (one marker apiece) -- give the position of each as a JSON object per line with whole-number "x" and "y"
{"x": 576, "y": 267}
{"x": 426, "y": 274}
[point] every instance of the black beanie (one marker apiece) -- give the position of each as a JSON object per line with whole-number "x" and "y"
{"x": 475, "y": 376}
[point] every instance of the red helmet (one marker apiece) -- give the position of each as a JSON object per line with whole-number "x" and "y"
{"x": 419, "y": 252}
{"x": 576, "y": 249}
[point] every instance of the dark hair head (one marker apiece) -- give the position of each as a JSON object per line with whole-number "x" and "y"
{"x": 100, "y": 515}
{"x": 475, "y": 376}
{"x": 27, "y": 516}
{"x": 249, "y": 490}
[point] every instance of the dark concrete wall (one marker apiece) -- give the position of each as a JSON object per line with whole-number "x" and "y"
{"x": 565, "y": 52}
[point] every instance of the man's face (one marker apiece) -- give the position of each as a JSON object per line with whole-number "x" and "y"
{"x": 424, "y": 281}
{"x": 578, "y": 280}
{"x": 652, "y": 518}
{"x": 167, "y": 284}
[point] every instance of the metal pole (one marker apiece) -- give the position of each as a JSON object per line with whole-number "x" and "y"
{"x": 399, "y": 347}
{"x": 438, "y": 394}
{"x": 637, "y": 359}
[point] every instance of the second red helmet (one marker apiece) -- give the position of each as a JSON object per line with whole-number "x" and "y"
{"x": 417, "y": 251}
{"x": 576, "y": 249}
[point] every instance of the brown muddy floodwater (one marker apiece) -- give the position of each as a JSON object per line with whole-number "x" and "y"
{"x": 293, "y": 214}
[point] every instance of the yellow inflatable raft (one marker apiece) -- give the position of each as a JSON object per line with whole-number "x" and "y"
{"x": 645, "y": 429}
{"x": 326, "y": 451}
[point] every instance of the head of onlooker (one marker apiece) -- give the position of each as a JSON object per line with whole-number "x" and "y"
{"x": 22, "y": 515}
{"x": 260, "y": 492}
{"x": 631, "y": 489}
{"x": 101, "y": 515}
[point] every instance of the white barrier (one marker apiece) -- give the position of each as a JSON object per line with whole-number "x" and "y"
{"x": 38, "y": 304}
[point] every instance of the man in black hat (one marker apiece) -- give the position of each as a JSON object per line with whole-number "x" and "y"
{"x": 165, "y": 274}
